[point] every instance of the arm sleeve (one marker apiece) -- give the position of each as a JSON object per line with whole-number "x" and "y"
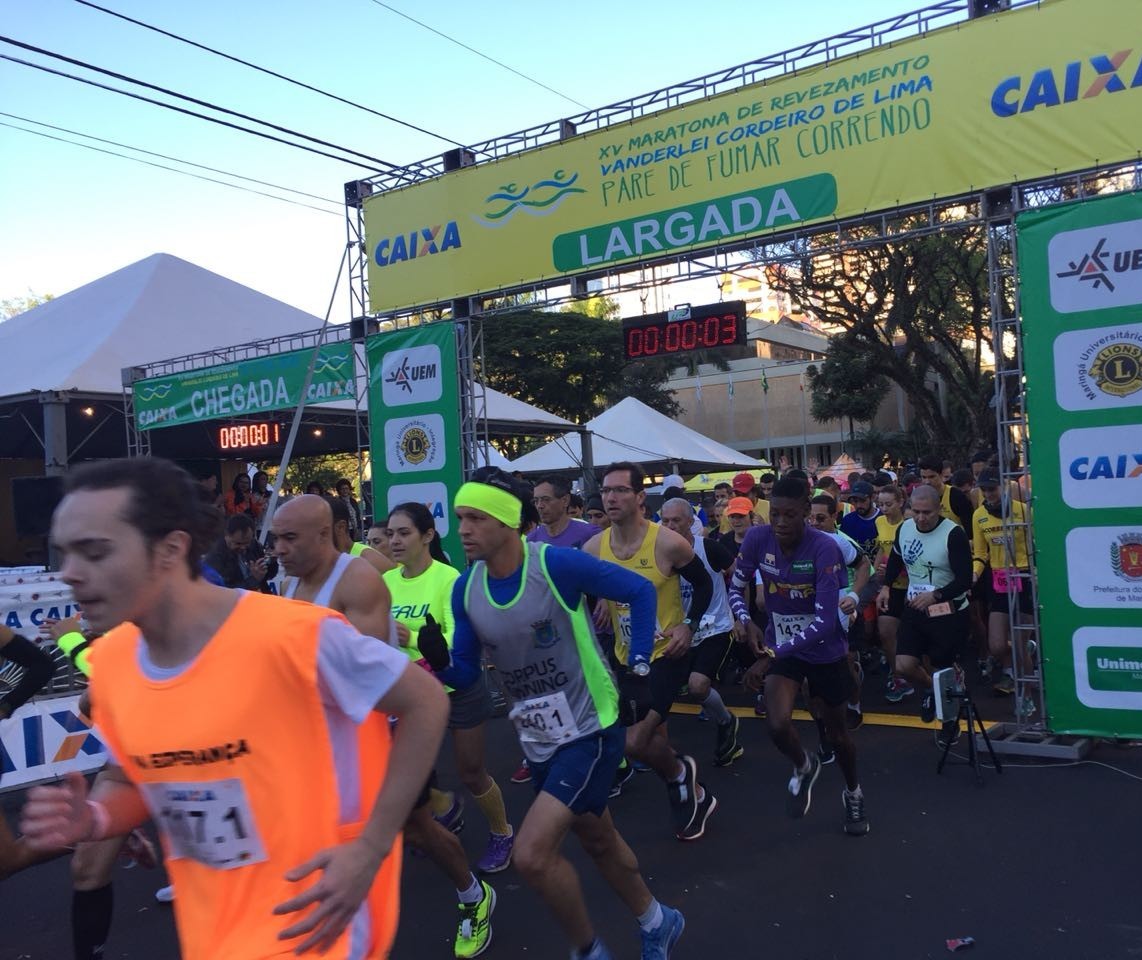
{"x": 827, "y": 595}
{"x": 959, "y": 557}
{"x": 979, "y": 547}
{"x": 575, "y": 573}
{"x": 743, "y": 576}
{"x": 355, "y": 671}
{"x": 465, "y": 667}
{"x": 961, "y": 506}
{"x": 696, "y": 574}
{"x": 716, "y": 553}
{"x": 895, "y": 565}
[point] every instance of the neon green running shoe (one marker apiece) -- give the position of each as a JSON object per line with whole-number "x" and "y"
{"x": 475, "y": 930}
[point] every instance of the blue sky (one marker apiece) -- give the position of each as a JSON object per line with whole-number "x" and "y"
{"x": 71, "y": 215}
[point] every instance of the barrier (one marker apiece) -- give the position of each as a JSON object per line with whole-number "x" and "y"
{"x": 45, "y": 739}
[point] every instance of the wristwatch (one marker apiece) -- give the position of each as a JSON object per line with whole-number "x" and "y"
{"x": 769, "y": 652}
{"x": 688, "y": 622}
{"x": 641, "y": 669}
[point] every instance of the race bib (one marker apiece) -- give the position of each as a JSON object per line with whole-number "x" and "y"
{"x": 209, "y": 822}
{"x": 787, "y": 626}
{"x": 1005, "y": 580}
{"x": 915, "y": 589}
{"x": 705, "y": 629}
{"x": 545, "y": 719}
{"x": 622, "y": 624}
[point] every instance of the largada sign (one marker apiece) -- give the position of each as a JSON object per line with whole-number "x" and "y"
{"x": 1022, "y": 95}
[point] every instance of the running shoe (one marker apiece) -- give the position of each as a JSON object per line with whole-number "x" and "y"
{"x": 657, "y": 944}
{"x": 984, "y": 667}
{"x": 854, "y": 718}
{"x": 759, "y": 705}
{"x": 703, "y": 716}
{"x": 523, "y": 774}
{"x": 497, "y": 855}
{"x": 684, "y": 797}
{"x": 706, "y": 806}
{"x": 598, "y": 951}
{"x": 139, "y": 849}
{"x": 949, "y": 734}
{"x": 475, "y": 931}
{"x": 856, "y": 823}
{"x": 928, "y": 708}
{"x": 801, "y": 788}
{"x": 825, "y": 754}
{"x": 1005, "y": 685}
{"x": 623, "y": 775}
{"x": 897, "y": 689}
{"x": 726, "y": 748}
{"x": 165, "y": 894}
{"x": 453, "y": 818}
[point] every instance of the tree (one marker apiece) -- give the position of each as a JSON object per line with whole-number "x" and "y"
{"x": 17, "y": 305}
{"x": 848, "y": 385}
{"x": 568, "y": 363}
{"x": 918, "y": 312}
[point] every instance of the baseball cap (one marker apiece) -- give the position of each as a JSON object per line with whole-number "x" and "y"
{"x": 672, "y": 481}
{"x": 742, "y": 505}
{"x": 744, "y": 483}
{"x": 862, "y": 488}
{"x": 988, "y": 478}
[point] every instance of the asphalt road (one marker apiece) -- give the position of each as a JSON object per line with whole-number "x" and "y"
{"x": 1041, "y": 861}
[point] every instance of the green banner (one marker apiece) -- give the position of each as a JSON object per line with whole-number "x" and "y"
{"x": 414, "y": 424}
{"x": 244, "y": 388}
{"x": 1080, "y": 270}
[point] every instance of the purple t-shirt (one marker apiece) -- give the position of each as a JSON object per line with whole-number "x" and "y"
{"x": 801, "y": 593}
{"x": 574, "y": 535}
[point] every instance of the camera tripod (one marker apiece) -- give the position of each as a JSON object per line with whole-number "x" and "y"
{"x": 968, "y": 712}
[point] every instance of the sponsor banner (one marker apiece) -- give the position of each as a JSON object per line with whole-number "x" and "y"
{"x": 46, "y": 739}
{"x": 1082, "y": 342}
{"x": 1104, "y": 567}
{"x": 28, "y": 597}
{"x": 1102, "y": 467}
{"x": 1099, "y": 369}
{"x": 893, "y": 125}
{"x": 414, "y": 422}
{"x": 249, "y": 387}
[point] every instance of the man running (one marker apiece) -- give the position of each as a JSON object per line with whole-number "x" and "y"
{"x": 954, "y": 503}
{"x": 196, "y": 688}
{"x": 552, "y": 498}
{"x": 802, "y": 574}
{"x": 525, "y": 606}
{"x": 663, "y": 558}
{"x": 712, "y": 638}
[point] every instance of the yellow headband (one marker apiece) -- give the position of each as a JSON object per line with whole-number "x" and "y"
{"x": 504, "y": 506}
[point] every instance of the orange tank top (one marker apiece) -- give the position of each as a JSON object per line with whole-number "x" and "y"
{"x": 235, "y": 760}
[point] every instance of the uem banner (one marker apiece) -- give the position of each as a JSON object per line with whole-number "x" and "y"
{"x": 1021, "y": 95}
{"x": 240, "y": 389}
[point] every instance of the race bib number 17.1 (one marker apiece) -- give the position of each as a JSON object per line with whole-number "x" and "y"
{"x": 210, "y": 822}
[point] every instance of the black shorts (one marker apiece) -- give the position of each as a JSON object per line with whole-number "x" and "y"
{"x": 999, "y": 601}
{"x": 829, "y": 682}
{"x": 937, "y": 638}
{"x": 708, "y": 657}
{"x": 897, "y": 598}
{"x": 471, "y": 706}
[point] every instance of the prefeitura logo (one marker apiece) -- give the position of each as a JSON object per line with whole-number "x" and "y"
{"x": 1096, "y": 268}
{"x": 1126, "y": 557}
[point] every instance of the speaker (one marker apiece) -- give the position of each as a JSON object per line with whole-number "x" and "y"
{"x": 34, "y": 500}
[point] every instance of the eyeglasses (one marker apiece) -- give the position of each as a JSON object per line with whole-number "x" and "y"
{"x": 622, "y": 491}
{"x": 543, "y": 501}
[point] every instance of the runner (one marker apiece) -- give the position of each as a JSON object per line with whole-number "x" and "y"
{"x": 712, "y": 638}
{"x": 525, "y": 606}
{"x": 954, "y": 503}
{"x": 552, "y": 498}
{"x": 421, "y": 585}
{"x": 345, "y": 543}
{"x": 890, "y": 501}
{"x": 934, "y": 623}
{"x": 801, "y": 571}
{"x": 195, "y": 689}
{"x": 664, "y": 558}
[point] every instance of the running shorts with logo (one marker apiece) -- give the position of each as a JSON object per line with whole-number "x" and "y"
{"x": 580, "y": 773}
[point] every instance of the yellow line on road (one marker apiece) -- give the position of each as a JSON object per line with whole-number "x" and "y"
{"x": 876, "y": 719}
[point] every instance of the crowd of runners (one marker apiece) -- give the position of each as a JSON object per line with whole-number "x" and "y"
{"x": 284, "y": 746}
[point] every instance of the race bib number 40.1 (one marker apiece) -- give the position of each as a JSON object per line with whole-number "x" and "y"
{"x": 545, "y": 719}
{"x": 787, "y": 626}
{"x": 209, "y": 822}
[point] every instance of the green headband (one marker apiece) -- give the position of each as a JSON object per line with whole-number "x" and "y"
{"x": 504, "y": 506}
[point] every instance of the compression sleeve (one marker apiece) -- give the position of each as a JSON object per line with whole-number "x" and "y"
{"x": 959, "y": 558}
{"x": 696, "y": 574}
{"x": 895, "y": 565}
{"x": 961, "y": 506}
{"x": 576, "y": 574}
{"x": 717, "y": 555}
{"x": 743, "y": 575}
{"x": 465, "y": 667}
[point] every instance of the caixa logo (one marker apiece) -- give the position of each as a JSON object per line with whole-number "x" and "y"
{"x": 59, "y": 736}
{"x": 1122, "y": 466}
{"x": 417, "y": 243}
{"x": 1077, "y": 80}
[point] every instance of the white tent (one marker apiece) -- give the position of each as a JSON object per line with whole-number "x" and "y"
{"x": 158, "y": 308}
{"x": 630, "y": 430}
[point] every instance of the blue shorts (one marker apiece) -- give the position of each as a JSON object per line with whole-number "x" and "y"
{"x": 580, "y": 773}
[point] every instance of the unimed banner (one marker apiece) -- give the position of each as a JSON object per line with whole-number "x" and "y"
{"x": 1080, "y": 274}
{"x": 244, "y": 388}
{"x": 414, "y": 423}
{"x": 1017, "y": 96}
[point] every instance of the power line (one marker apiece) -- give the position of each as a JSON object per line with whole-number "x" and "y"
{"x": 498, "y": 63}
{"x": 163, "y": 156}
{"x": 183, "y": 110}
{"x": 382, "y": 164}
{"x": 272, "y": 73}
{"x": 160, "y": 166}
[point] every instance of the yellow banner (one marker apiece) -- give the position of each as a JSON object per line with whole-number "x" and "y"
{"x": 1022, "y": 95}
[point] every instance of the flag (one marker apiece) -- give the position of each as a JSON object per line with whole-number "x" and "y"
{"x": 764, "y": 381}
{"x": 730, "y": 386}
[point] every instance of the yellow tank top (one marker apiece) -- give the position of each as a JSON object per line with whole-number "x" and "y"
{"x": 668, "y": 589}
{"x": 946, "y": 506}
{"x": 885, "y": 538}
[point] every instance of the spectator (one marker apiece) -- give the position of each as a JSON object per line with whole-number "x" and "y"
{"x": 316, "y": 487}
{"x": 239, "y": 559}
{"x": 240, "y": 499}
{"x": 356, "y": 520}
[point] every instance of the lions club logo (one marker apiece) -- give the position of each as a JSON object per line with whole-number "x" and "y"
{"x": 1117, "y": 369}
{"x": 416, "y": 444}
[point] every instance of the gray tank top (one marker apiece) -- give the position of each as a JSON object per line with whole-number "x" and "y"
{"x": 547, "y": 657}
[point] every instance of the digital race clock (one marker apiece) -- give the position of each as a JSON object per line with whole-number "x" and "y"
{"x": 684, "y": 330}
{"x": 248, "y": 437}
